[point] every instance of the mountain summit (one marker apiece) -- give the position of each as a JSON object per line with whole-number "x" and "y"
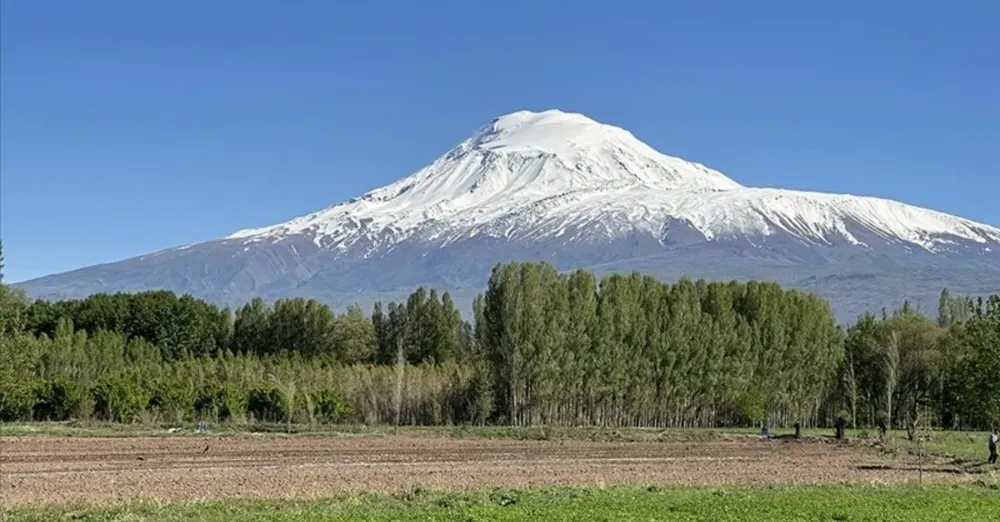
{"x": 523, "y": 163}
{"x": 580, "y": 145}
{"x": 561, "y": 187}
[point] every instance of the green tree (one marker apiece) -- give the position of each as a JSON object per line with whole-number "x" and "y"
{"x": 982, "y": 365}
{"x": 13, "y": 305}
{"x": 250, "y": 328}
{"x": 383, "y": 342}
{"x": 302, "y": 326}
{"x": 354, "y": 337}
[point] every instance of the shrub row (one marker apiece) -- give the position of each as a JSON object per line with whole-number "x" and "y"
{"x": 126, "y": 399}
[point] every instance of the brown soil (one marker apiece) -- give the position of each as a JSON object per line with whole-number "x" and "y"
{"x": 42, "y": 470}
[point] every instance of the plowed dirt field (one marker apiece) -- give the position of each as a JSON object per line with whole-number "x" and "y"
{"x": 46, "y": 469}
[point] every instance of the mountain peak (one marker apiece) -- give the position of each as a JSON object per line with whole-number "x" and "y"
{"x": 552, "y": 131}
{"x": 520, "y": 161}
{"x": 522, "y": 117}
{"x": 585, "y": 153}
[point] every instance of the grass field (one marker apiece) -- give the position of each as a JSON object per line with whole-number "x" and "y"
{"x": 833, "y": 503}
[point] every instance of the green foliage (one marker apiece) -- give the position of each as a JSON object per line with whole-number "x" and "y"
{"x": 17, "y": 400}
{"x": 300, "y": 326}
{"x": 13, "y": 310}
{"x": 124, "y": 380}
{"x": 221, "y": 401}
{"x": 172, "y": 395}
{"x": 179, "y": 326}
{"x": 752, "y": 406}
{"x": 632, "y": 351}
{"x": 481, "y": 391}
{"x": 304, "y": 327}
{"x": 13, "y": 305}
{"x": 954, "y": 310}
{"x": 18, "y": 379}
{"x": 354, "y": 337}
{"x": 905, "y": 365}
{"x": 545, "y": 348}
{"x": 980, "y": 367}
{"x": 331, "y": 406}
{"x": 119, "y": 399}
{"x": 266, "y": 403}
{"x": 429, "y": 327}
{"x": 251, "y": 328}
{"x": 58, "y": 400}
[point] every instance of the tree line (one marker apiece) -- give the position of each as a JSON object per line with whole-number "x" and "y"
{"x": 106, "y": 376}
{"x": 633, "y": 351}
{"x": 905, "y": 370}
{"x": 430, "y": 326}
{"x": 543, "y": 347}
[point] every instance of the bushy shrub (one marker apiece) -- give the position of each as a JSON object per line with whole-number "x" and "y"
{"x": 222, "y": 401}
{"x": 119, "y": 399}
{"x": 331, "y": 406}
{"x": 751, "y": 405}
{"x": 17, "y": 400}
{"x": 172, "y": 397}
{"x": 265, "y": 403}
{"x": 58, "y": 400}
{"x": 882, "y": 421}
{"x": 482, "y": 397}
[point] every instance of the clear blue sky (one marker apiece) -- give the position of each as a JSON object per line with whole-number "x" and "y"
{"x": 129, "y": 127}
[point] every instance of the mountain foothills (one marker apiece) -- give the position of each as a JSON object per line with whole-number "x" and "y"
{"x": 562, "y": 188}
{"x": 543, "y": 348}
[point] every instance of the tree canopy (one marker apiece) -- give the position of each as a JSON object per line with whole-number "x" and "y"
{"x": 542, "y": 347}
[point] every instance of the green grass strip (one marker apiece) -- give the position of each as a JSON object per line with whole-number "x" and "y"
{"x": 817, "y": 503}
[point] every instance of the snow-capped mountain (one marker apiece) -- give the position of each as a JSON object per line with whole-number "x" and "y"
{"x": 564, "y": 188}
{"x": 530, "y": 176}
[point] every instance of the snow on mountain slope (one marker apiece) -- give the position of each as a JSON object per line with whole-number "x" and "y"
{"x": 531, "y": 176}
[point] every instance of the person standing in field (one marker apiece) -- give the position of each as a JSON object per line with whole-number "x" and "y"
{"x": 993, "y": 447}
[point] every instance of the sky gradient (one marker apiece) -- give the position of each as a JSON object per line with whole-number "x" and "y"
{"x": 130, "y": 127}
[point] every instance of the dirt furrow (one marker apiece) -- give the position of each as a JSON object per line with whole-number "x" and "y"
{"x": 38, "y": 470}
